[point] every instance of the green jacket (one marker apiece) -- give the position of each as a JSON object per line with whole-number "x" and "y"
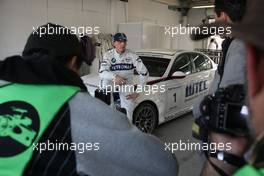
{"x": 24, "y": 117}
{"x": 249, "y": 170}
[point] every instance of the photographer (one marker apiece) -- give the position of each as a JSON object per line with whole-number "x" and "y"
{"x": 227, "y": 94}
{"x": 47, "y": 116}
{"x": 250, "y": 30}
{"x": 233, "y": 62}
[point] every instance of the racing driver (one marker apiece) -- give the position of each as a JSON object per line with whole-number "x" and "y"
{"x": 117, "y": 69}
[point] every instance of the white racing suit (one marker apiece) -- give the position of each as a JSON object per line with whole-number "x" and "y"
{"x": 123, "y": 65}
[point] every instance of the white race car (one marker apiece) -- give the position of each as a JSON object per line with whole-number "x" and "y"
{"x": 182, "y": 76}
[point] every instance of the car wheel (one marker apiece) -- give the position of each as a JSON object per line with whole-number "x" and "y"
{"x": 145, "y": 117}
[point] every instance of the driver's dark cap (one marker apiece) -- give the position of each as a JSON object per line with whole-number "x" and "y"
{"x": 120, "y": 37}
{"x": 56, "y": 40}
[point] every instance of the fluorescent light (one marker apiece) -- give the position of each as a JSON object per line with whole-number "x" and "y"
{"x": 203, "y": 7}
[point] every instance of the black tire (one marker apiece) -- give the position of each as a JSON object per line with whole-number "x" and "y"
{"x": 145, "y": 117}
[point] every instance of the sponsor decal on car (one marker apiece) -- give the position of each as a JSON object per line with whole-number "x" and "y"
{"x": 195, "y": 88}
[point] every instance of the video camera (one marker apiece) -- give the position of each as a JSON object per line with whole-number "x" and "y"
{"x": 223, "y": 112}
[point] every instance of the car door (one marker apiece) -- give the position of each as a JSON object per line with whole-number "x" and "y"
{"x": 201, "y": 78}
{"x": 176, "y": 86}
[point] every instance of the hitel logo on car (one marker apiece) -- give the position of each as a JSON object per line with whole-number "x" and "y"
{"x": 195, "y": 88}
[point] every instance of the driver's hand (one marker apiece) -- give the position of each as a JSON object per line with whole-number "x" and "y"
{"x": 132, "y": 96}
{"x": 119, "y": 80}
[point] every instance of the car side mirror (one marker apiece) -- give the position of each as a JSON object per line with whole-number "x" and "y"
{"x": 178, "y": 75}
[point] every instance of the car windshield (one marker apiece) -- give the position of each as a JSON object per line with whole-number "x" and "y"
{"x": 156, "y": 66}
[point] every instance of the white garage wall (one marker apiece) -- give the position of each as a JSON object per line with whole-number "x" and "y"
{"x": 151, "y": 12}
{"x": 17, "y": 17}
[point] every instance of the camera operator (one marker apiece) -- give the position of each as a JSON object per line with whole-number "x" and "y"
{"x": 234, "y": 51}
{"x": 251, "y": 31}
{"x": 226, "y": 98}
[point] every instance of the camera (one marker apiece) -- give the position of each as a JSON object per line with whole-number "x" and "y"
{"x": 224, "y": 112}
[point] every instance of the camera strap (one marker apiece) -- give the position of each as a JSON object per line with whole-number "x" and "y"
{"x": 225, "y": 157}
{"x": 229, "y": 158}
{"x": 216, "y": 168}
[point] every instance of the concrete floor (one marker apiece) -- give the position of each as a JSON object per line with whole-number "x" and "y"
{"x": 178, "y": 129}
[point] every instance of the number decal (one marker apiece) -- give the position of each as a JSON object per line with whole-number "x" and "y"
{"x": 174, "y": 95}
